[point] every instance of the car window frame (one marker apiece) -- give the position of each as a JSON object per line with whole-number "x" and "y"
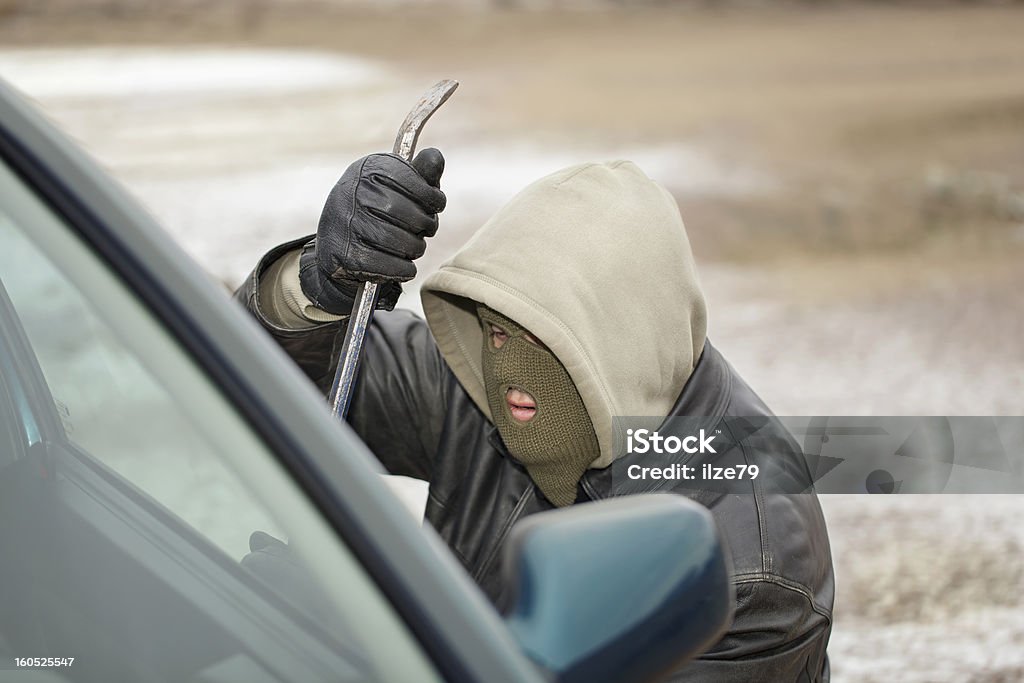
{"x": 23, "y": 379}
{"x": 444, "y": 610}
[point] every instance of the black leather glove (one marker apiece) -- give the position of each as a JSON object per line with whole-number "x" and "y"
{"x": 373, "y": 226}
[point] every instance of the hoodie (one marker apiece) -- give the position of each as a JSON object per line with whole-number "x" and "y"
{"x": 594, "y": 261}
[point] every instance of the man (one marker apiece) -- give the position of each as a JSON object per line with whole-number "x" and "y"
{"x": 577, "y": 303}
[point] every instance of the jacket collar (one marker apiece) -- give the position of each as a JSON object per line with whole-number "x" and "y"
{"x": 708, "y": 391}
{"x": 706, "y": 394}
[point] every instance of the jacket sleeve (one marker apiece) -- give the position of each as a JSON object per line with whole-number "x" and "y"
{"x": 402, "y": 389}
{"x": 777, "y": 635}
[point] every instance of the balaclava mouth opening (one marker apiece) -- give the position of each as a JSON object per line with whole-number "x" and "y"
{"x": 558, "y": 443}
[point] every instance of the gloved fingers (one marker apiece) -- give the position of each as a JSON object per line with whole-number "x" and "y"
{"x": 397, "y": 174}
{"x": 370, "y": 264}
{"x": 389, "y": 206}
{"x": 429, "y": 163}
{"x": 373, "y": 226}
{"x": 391, "y": 239}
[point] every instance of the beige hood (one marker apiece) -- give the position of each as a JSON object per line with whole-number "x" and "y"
{"x": 594, "y": 261}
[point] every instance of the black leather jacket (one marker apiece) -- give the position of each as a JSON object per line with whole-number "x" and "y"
{"x": 411, "y": 411}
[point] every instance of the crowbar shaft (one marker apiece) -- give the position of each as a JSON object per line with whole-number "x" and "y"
{"x": 366, "y": 295}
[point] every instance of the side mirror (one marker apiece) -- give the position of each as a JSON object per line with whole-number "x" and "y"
{"x": 623, "y": 590}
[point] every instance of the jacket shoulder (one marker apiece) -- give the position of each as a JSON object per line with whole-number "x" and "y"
{"x": 775, "y": 529}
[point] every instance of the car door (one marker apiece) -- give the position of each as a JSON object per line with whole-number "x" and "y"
{"x": 148, "y": 430}
{"x": 122, "y": 511}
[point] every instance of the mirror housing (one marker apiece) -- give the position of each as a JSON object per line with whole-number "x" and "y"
{"x": 621, "y": 590}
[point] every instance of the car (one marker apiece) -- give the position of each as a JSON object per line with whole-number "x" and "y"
{"x": 177, "y": 503}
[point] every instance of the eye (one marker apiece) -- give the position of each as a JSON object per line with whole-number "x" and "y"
{"x": 498, "y": 336}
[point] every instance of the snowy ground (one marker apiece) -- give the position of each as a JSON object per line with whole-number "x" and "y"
{"x": 234, "y": 151}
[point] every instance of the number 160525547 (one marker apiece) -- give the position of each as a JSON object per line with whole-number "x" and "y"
{"x": 43, "y": 662}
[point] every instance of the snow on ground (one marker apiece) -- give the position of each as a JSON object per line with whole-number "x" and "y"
{"x": 133, "y": 73}
{"x": 235, "y": 150}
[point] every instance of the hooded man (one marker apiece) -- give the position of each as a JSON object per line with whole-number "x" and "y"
{"x": 577, "y": 303}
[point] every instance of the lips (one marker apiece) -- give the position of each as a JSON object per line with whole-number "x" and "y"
{"x": 520, "y": 404}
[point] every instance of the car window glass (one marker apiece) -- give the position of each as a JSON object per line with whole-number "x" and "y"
{"x": 137, "y": 413}
{"x": 115, "y": 409}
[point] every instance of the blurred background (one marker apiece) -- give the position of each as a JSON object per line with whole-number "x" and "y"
{"x": 851, "y": 176}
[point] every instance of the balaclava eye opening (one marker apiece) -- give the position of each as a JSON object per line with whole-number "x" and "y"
{"x": 558, "y": 443}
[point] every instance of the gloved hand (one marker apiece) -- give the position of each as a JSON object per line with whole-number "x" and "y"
{"x": 373, "y": 226}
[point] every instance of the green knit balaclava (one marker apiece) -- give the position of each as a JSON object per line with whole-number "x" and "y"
{"x": 558, "y": 443}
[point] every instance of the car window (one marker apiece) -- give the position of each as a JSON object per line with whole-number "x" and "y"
{"x": 152, "y": 477}
{"x": 116, "y": 409}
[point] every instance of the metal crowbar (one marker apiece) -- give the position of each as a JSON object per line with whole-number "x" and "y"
{"x": 366, "y": 295}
